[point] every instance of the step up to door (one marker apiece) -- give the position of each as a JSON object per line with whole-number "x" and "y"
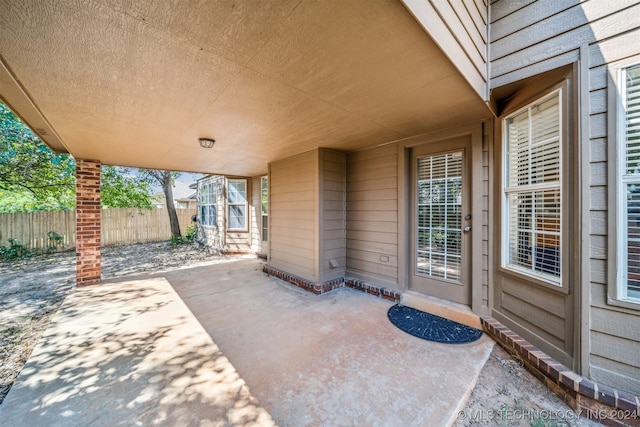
{"x": 447, "y": 309}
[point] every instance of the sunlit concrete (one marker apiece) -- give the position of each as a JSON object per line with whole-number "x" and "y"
{"x": 131, "y": 353}
{"x": 331, "y": 360}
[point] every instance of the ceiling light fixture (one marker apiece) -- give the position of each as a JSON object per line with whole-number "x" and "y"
{"x": 206, "y": 142}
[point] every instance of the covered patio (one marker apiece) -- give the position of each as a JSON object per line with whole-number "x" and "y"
{"x": 223, "y": 344}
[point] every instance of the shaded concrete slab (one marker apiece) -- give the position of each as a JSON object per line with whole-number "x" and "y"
{"x": 132, "y": 353}
{"x": 331, "y": 360}
{"x": 128, "y": 354}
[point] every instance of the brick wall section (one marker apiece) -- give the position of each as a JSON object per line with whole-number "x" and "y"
{"x": 322, "y": 288}
{"x": 88, "y": 269}
{"x": 595, "y": 401}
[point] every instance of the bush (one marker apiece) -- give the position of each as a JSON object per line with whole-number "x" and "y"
{"x": 15, "y": 250}
{"x": 189, "y": 236}
{"x": 176, "y": 240}
{"x": 56, "y": 241}
{"x": 191, "y": 232}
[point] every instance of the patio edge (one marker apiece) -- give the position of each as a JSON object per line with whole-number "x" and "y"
{"x": 589, "y": 399}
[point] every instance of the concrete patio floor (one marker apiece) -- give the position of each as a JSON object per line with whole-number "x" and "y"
{"x": 222, "y": 344}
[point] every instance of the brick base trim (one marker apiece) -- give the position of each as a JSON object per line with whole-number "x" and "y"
{"x": 594, "y": 401}
{"x": 323, "y": 288}
{"x": 384, "y": 293}
{"x": 230, "y": 252}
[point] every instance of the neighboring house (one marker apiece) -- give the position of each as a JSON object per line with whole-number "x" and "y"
{"x": 480, "y": 154}
{"x": 184, "y": 196}
{"x": 233, "y": 214}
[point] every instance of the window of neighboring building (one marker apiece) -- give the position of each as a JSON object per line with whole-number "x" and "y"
{"x": 208, "y": 195}
{"x": 628, "y": 194}
{"x": 532, "y": 176}
{"x": 264, "y": 197}
{"x": 237, "y": 204}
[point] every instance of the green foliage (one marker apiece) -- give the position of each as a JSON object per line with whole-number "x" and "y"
{"x": 177, "y": 240}
{"x": 166, "y": 179}
{"x": 191, "y": 232}
{"x": 15, "y": 250}
{"x": 25, "y": 202}
{"x": 123, "y": 188}
{"x": 32, "y": 177}
{"x": 56, "y": 241}
{"x": 189, "y": 236}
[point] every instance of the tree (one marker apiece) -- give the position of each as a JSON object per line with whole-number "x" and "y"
{"x": 33, "y": 177}
{"x": 166, "y": 179}
{"x": 123, "y": 188}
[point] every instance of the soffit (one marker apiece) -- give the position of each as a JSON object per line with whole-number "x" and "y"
{"x": 137, "y": 82}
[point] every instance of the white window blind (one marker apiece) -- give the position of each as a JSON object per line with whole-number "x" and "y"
{"x": 439, "y": 216}
{"x": 630, "y": 134}
{"x": 532, "y": 223}
{"x": 207, "y": 200}
{"x": 237, "y": 203}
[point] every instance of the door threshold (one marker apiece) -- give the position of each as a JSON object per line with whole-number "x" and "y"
{"x": 440, "y": 307}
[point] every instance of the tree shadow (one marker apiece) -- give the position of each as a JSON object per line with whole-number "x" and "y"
{"x": 129, "y": 353}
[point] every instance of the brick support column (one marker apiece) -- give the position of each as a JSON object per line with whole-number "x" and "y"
{"x": 88, "y": 269}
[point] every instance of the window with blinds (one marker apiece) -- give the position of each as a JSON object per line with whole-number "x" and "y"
{"x": 439, "y": 216}
{"x": 237, "y": 204}
{"x": 207, "y": 201}
{"x": 630, "y": 181}
{"x": 532, "y": 189}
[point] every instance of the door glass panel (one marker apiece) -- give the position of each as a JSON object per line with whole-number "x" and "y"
{"x": 439, "y": 216}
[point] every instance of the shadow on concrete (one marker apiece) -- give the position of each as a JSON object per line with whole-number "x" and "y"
{"x": 140, "y": 351}
{"x": 129, "y": 353}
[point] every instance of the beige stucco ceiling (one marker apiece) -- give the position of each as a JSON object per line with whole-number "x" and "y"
{"x": 136, "y": 82}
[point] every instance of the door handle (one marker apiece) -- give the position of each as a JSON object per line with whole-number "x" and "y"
{"x": 467, "y": 229}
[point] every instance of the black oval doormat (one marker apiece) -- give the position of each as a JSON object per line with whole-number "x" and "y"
{"x": 431, "y": 327}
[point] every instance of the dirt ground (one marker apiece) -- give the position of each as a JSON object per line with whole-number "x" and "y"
{"x": 32, "y": 290}
{"x": 506, "y": 394}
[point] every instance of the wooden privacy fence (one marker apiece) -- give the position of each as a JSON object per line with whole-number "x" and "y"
{"x": 119, "y": 226}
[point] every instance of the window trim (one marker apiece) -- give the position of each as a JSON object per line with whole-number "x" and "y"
{"x": 203, "y": 186}
{"x": 617, "y": 259}
{"x": 246, "y": 208}
{"x": 515, "y": 105}
{"x": 264, "y": 233}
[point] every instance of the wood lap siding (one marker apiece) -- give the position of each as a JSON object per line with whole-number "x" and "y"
{"x": 372, "y": 215}
{"x": 214, "y": 236}
{"x": 614, "y": 336}
{"x": 255, "y": 216}
{"x": 293, "y": 215}
{"x": 459, "y": 27}
{"x": 530, "y": 37}
{"x": 333, "y": 215}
